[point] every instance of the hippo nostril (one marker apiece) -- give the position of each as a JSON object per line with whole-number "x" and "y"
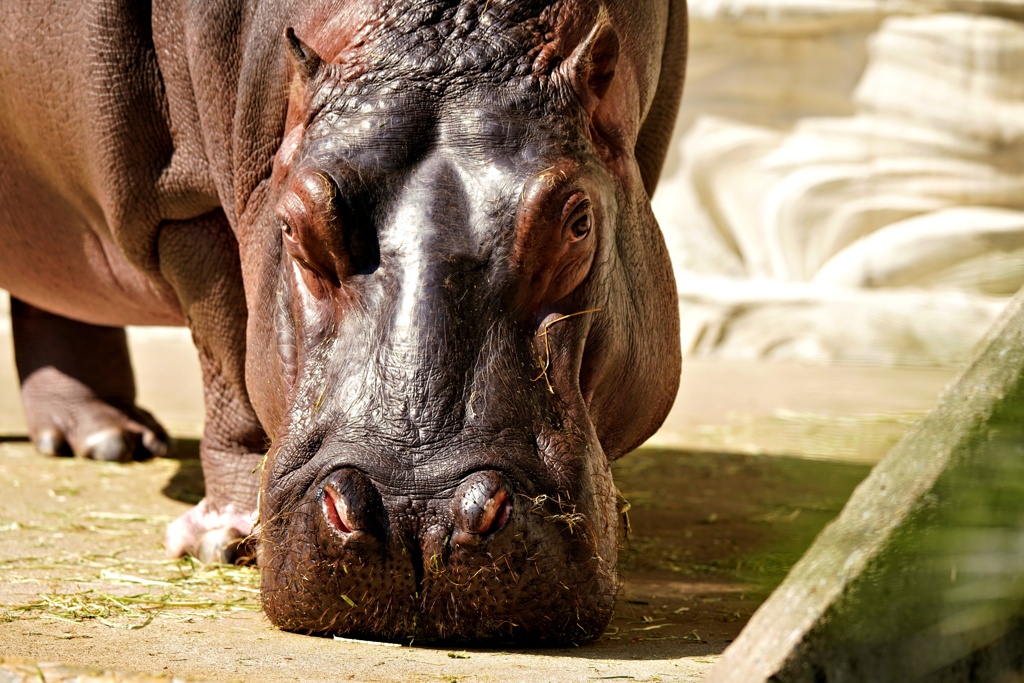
{"x": 351, "y": 503}
{"x": 482, "y": 506}
{"x": 495, "y": 513}
{"x": 336, "y": 511}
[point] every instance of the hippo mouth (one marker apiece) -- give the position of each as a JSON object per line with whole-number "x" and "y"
{"x": 488, "y": 559}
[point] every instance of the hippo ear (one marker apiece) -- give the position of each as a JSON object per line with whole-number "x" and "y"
{"x": 593, "y": 64}
{"x": 304, "y": 58}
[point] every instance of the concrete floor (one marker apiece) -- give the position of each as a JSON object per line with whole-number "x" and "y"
{"x": 711, "y": 535}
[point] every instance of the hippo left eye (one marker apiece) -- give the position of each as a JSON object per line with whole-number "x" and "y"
{"x": 581, "y": 228}
{"x": 580, "y": 220}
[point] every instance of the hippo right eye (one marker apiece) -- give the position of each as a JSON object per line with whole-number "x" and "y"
{"x": 290, "y": 213}
{"x": 307, "y": 225}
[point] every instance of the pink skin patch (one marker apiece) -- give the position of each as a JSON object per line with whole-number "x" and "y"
{"x": 201, "y": 528}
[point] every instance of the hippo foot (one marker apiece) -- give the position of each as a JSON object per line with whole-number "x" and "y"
{"x": 87, "y": 426}
{"x": 78, "y": 390}
{"x": 210, "y": 535}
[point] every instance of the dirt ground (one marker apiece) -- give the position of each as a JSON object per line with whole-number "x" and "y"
{"x": 83, "y": 581}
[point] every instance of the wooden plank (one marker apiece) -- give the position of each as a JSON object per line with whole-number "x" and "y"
{"x": 921, "y": 577}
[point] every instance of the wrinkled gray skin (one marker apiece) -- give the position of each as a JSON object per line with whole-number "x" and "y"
{"x": 414, "y": 244}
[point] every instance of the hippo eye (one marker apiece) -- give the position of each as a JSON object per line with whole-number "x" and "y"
{"x": 580, "y": 219}
{"x": 286, "y": 229}
{"x": 581, "y": 227}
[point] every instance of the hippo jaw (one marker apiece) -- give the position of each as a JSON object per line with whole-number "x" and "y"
{"x": 463, "y": 306}
{"x": 490, "y": 519}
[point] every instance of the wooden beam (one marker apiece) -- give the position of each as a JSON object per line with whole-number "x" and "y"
{"x": 921, "y": 577}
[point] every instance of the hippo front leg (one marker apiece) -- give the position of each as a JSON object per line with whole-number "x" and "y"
{"x": 78, "y": 390}
{"x": 199, "y": 259}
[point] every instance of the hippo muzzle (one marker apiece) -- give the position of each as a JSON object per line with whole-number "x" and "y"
{"x": 473, "y": 563}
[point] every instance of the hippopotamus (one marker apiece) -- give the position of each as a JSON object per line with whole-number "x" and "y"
{"x": 414, "y": 246}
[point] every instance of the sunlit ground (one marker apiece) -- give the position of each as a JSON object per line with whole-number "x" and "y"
{"x": 83, "y": 580}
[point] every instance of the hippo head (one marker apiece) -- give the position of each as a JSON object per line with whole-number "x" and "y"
{"x": 473, "y": 314}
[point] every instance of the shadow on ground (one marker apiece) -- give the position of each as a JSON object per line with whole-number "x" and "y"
{"x": 186, "y": 485}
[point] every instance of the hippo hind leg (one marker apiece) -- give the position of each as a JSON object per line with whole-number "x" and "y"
{"x": 78, "y": 390}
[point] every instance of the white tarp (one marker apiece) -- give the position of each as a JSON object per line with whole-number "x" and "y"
{"x": 846, "y": 184}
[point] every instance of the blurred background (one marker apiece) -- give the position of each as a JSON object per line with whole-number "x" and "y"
{"x": 843, "y": 208}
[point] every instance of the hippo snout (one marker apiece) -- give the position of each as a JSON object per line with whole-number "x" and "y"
{"x": 472, "y": 561}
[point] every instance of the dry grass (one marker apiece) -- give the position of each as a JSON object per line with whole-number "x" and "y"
{"x": 131, "y": 594}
